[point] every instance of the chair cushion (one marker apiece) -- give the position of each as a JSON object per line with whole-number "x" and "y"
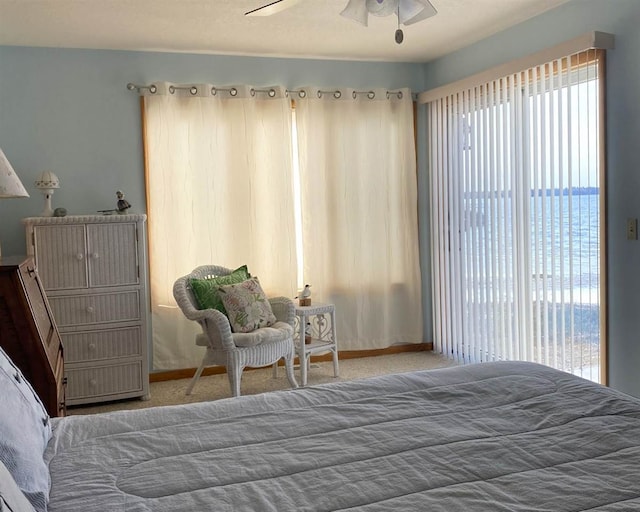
{"x": 206, "y": 290}
{"x": 202, "y": 340}
{"x": 247, "y": 306}
{"x": 277, "y": 332}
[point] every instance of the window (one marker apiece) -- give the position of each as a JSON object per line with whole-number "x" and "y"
{"x": 327, "y": 192}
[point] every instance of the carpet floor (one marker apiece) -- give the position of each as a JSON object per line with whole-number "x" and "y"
{"x": 215, "y": 387}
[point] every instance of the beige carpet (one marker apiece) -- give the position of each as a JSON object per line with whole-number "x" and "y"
{"x": 214, "y": 387}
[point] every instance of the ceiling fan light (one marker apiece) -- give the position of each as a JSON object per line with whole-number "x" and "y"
{"x": 428, "y": 11}
{"x": 356, "y": 10}
{"x": 409, "y": 9}
{"x": 382, "y": 7}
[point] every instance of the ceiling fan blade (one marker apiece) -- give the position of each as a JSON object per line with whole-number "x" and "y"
{"x": 356, "y": 10}
{"x": 410, "y": 6}
{"x": 272, "y": 8}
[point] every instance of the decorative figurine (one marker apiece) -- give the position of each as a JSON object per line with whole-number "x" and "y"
{"x": 305, "y": 296}
{"x": 123, "y": 204}
{"x": 122, "y": 207}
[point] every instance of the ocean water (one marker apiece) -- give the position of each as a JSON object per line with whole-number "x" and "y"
{"x": 568, "y": 249}
{"x": 562, "y": 240}
{"x": 561, "y": 249}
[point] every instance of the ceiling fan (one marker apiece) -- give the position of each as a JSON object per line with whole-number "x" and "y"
{"x": 272, "y": 8}
{"x": 408, "y": 11}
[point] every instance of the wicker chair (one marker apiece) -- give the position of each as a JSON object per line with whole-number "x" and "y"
{"x": 235, "y": 351}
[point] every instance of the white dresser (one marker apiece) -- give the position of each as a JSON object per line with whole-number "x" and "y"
{"x": 94, "y": 271}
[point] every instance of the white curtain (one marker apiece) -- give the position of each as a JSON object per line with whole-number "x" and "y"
{"x": 359, "y": 213}
{"x": 219, "y": 173}
{"x": 516, "y": 194}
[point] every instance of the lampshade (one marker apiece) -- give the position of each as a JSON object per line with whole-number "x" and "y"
{"x": 47, "y": 180}
{"x": 356, "y": 10}
{"x": 410, "y": 13}
{"x": 382, "y": 7}
{"x": 10, "y": 184}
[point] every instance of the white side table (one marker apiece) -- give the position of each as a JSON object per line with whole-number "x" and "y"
{"x": 322, "y": 322}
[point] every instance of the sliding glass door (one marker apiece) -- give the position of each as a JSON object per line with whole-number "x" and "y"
{"x": 517, "y": 216}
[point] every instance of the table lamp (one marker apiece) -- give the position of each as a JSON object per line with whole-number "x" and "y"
{"x": 47, "y": 182}
{"x": 10, "y": 184}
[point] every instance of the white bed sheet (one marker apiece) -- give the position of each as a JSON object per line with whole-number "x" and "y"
{"x": 490, "y": 437}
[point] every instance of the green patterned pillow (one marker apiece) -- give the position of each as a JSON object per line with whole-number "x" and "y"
{"x": 206, "y": 290}
{"x": 247, "y": 306}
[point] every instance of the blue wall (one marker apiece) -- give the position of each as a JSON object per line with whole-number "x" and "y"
{"x": 621, "y": 18}
{"x": 69, "y": 111}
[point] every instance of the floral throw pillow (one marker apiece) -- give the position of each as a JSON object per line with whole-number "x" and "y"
{"x": 247, "y": 306}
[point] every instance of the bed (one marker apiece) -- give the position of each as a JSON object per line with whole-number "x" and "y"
{"x": 488, "y": 437}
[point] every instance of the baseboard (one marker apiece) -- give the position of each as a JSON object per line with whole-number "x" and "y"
{"x": 187, "y": 373}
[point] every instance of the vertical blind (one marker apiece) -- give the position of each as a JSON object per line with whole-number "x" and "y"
{"x": 516, "y": 193}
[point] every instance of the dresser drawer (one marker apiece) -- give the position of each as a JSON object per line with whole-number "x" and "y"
{"x": 78, "y": 310}
{"x": 103, "y": 380}
{"x": 99, "y": 345}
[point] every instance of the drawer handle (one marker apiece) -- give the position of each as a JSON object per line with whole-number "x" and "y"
{"x": 93, "y": 383}
{"x": 90, "y": 309}
{"x": 95, "y": 255}
{"x": 79, "y": 256}
{"x": 92, "y": 346}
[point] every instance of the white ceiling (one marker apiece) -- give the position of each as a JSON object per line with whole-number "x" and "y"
{"x": 310, "y": 29}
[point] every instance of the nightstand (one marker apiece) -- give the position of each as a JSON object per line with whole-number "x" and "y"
{"x": 320, "y": 320}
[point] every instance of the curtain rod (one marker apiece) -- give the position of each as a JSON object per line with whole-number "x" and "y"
{"x": 271, "y": 92}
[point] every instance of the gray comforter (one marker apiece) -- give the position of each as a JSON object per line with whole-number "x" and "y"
{"x": 489, "y": 437}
